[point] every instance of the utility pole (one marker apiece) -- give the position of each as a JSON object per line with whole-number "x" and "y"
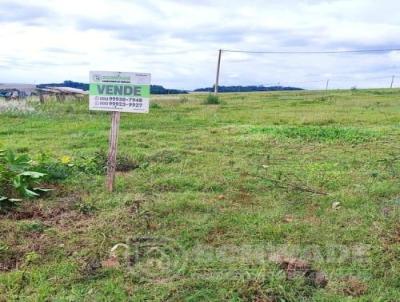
{"x": 218, "y": 69}
{"x": 327, "y": 85}
{"x": 391, "y": 84}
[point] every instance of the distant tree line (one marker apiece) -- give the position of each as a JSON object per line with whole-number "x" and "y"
{"x": 154, "y": 89}
{"x": 70, "y": 84}
{"x": 158, "y": 89}
{"x": 246, "y": 88}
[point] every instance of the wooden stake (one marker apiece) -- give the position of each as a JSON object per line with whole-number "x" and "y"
{"x": 41, "y": 98}
{"x": 112, "y": 152}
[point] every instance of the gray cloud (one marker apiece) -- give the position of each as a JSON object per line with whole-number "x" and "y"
{"x": 121, "y": 30}
{"x": 28, "y": 63}
{"x": 57, "y": 50}
{"x": 177, "y": 40}
{"x": 208, "y": 34}
{"x": 24, "y": 13}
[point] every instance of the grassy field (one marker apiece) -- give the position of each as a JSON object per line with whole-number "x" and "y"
{"x": 222, "y": 194}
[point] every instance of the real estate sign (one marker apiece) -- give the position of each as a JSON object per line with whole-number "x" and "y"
{"x": 119, "y": 91}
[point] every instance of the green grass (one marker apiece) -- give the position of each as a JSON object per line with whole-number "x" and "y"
{"x": 317, "y": 133}
{"x": 218, "y": 190}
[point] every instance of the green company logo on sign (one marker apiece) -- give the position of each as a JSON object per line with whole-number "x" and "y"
{"x": 119, "y": 91}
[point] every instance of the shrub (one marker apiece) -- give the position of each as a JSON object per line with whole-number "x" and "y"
{"x": 124, "y": 162}
{"x": 212, "y": 99}
{"x": 183, "y": 99}
{"x": 155, "y": 106}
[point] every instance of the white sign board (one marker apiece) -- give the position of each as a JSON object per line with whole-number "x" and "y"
{"x": 119, "y": 91}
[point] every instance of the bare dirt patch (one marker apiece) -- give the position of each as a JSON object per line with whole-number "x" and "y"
{"x": 354, "y": 287}
{"x": 215, "y": 235}
{"x": 25, "y": 230}
{"x": 254, "y": 291}
{"x": 9, "y": 263}
{"x": 394, "y": 236}
{"x": 294, "y": 267}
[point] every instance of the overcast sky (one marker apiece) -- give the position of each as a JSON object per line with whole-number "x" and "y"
{"x": 177, "y": 41}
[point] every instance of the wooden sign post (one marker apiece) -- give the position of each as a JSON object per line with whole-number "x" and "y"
{"x": 118, "y": 92}
{"x": 112, "y": 150}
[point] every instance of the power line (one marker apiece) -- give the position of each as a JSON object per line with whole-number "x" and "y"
{"x": 334, "y": 79}
{"x": 359, "y": 79}
{"x": 313, "y": 52}
{"x": 331, "y": 79}
{"x": 298, "y": 82}
{"x": 354, "y": 51}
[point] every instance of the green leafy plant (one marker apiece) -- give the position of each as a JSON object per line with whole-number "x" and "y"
{"x": 32, "y": 226}
{"x": 18, "y": 179}
{"x": 55, "y": 170}
{"x": 31, "y": 258}
{"x": 86, "y": 207}
{"x": 3, "y": 247}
